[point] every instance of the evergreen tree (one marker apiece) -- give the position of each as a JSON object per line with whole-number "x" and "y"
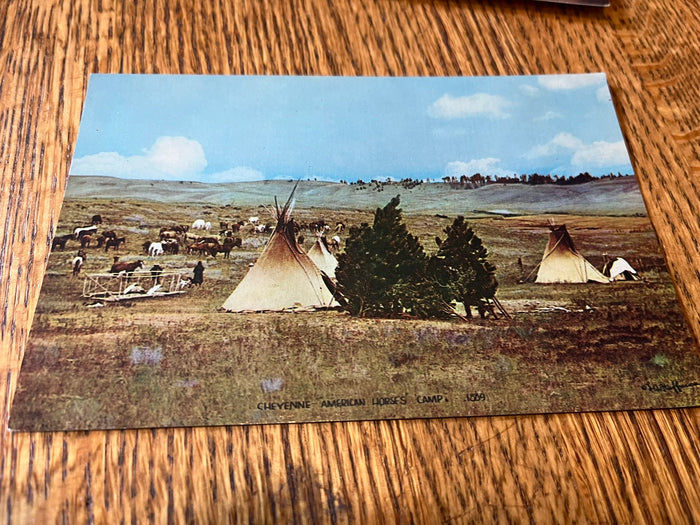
{"x": 461, "y": 269}
{"x": 381, "y": 268}
{"x": 384, "y": 271}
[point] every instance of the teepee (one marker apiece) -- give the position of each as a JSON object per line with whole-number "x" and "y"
{"x": 618, "y": 269}
{"x": 283, "y": 277}
{"x": 322, "y": 257}
{"x": 561, "y": 263}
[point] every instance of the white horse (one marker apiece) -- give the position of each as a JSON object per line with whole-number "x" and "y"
{"x": 79, "y": 232}
{"x": 77, "y": 264}
{"x": 334, "y": 242}
{"x": 155, "y": 249}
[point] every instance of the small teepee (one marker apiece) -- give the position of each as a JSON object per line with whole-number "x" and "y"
{"x": 561, "y": 263}
{"x": 322, "y": 257}
{"x": 283, "y": 277}
{"x": 618, "y": 269}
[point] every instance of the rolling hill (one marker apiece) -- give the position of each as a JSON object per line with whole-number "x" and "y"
{"x": 603, "y": 197}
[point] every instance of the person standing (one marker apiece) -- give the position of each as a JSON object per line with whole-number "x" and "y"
{"x": 198, "y": 274}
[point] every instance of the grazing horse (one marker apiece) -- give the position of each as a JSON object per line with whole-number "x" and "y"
{"x": 78, "y": 262}
{"x": 169, "y": 234}
{"x": 115, "y": 243}
{"x": 210, "y": 248}
{"x": 126, "y": 267}
{"x": 88, "y": 230}
{"x": 229, "y": 244}
{"x": 334, "y": 243}
{"x": 317, "y": 226}
{"x": 171, "y": 246}
{"x": 155, "y": 249}
{"x": 60, "y": 242}
{"x": 96, "y": 219}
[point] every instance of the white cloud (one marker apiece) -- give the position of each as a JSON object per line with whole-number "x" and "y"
{"x": 561, "y": 141}
{"x": 104, "y": 163}
{"x": 477, "y": 105}
{"x": 586, "y": 156}
{"x": 238, "y": 174}
{"x": 567, "y": 140}
{"x": 566, "y": 82}
{"x": 176, "y": 156}
{"x": 529, "y": 90}
{"x": 171, "y": 158}
{"x": 600, "y": 154}
{"x": 550, "y": 115}
{"x": 486, "y": 166}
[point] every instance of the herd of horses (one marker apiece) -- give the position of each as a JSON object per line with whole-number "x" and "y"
{"x": 194, "y": 240}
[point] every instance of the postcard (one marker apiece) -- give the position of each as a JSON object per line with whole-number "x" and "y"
{"x": 261, "y": 249}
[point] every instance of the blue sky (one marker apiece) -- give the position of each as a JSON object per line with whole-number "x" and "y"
{"x": 240, "y": 128}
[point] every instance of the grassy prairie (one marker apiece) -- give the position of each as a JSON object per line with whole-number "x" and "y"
{"x": 180, "y": 361}
{"x": 603, "y": 197}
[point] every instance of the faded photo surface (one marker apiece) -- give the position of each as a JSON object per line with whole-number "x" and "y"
{"x": 244, "y": 250}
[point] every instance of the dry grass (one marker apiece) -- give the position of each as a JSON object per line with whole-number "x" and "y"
{"x": 180, "y": 361}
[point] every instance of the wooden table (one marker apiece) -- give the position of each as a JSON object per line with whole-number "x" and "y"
{"x": 604, "y": 467}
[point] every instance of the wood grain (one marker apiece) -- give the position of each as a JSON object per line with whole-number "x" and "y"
{"x": 603, "y": 467}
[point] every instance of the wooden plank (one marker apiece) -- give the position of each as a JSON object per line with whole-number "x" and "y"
{"x": 605, "y": 467}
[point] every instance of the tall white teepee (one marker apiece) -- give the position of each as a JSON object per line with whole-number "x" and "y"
{"x": 561, "y": 263}
{"x": 283, "y": 277}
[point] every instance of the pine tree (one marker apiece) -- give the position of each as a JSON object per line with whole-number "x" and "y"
{"x": 354, "y": 273}
{"x": 382, "y": 265}
{"x": 461, "y": 269}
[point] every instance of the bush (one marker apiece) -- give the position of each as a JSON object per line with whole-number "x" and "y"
{"x": 384, "y": 271}
{"x": 461, "y": 268}
{"x": 379, "y": 262}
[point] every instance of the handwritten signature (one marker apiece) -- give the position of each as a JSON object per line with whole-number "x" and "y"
{"x": 675, "y": 386}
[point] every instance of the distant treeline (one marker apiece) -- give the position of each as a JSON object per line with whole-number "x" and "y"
{"x": 478, "y": 180}
{"x": 533, "y": 179}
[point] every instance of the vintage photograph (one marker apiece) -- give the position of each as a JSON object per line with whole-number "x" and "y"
{"x": 264, "y": 249}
